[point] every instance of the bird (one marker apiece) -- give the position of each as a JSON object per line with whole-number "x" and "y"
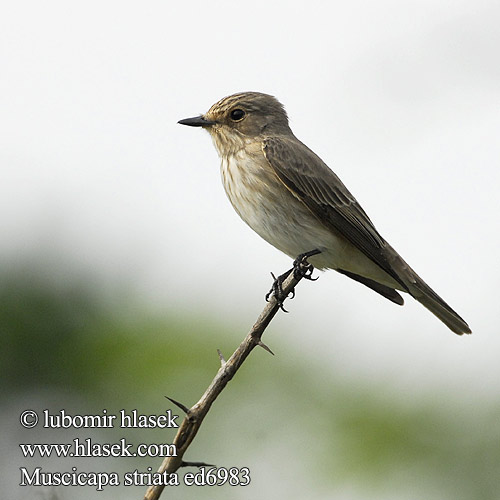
{"x": 294, "y": 201}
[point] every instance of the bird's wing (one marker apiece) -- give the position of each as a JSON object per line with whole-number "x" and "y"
{"x": 317, "y": 186}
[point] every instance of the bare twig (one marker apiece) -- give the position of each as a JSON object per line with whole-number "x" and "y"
{"x": 195, "y": 415}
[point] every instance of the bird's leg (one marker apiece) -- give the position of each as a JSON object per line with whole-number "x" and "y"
{"x": 277, "y": 289}
{"x": 301, "y": 269}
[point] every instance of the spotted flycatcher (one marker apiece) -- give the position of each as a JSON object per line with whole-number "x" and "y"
{"x": 292, "y": 199}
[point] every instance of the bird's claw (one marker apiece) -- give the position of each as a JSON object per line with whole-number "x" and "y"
{"x": 301, "y": 269}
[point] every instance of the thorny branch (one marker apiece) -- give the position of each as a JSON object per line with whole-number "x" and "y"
{"x": 195, "y": 415}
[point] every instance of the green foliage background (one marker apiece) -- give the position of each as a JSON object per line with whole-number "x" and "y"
{"x": 301, "y": 430}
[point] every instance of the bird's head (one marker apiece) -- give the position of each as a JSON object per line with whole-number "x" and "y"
{"x": 242, "y": 117}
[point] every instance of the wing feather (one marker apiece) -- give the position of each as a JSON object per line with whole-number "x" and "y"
{"x": 317, "y": 186}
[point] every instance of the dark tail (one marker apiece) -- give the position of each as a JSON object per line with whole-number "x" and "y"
{"x": 437, "y": 306}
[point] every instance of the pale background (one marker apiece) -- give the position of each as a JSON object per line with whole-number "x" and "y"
{"x": 401, "y": 99}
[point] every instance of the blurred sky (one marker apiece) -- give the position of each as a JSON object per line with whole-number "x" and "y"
{"x": 400, "y": 98}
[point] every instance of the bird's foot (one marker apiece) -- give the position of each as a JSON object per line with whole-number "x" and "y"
{"x": 277, "y": 289}
{"x": 301, "y": 269}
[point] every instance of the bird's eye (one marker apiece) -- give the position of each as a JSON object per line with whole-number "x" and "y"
{"x": 237, "y": 115}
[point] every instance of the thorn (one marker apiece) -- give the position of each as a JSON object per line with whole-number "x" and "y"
{"x": 195, "y": 464}
{"x": 264, "y": 346}
{"x": 185, "y": 409}
{"x": 221, "y": 357}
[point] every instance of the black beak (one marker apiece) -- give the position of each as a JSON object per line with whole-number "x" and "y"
{"x": 197, "y": 121}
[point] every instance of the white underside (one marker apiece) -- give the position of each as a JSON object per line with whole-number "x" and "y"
{"x": 274, "y": 213}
